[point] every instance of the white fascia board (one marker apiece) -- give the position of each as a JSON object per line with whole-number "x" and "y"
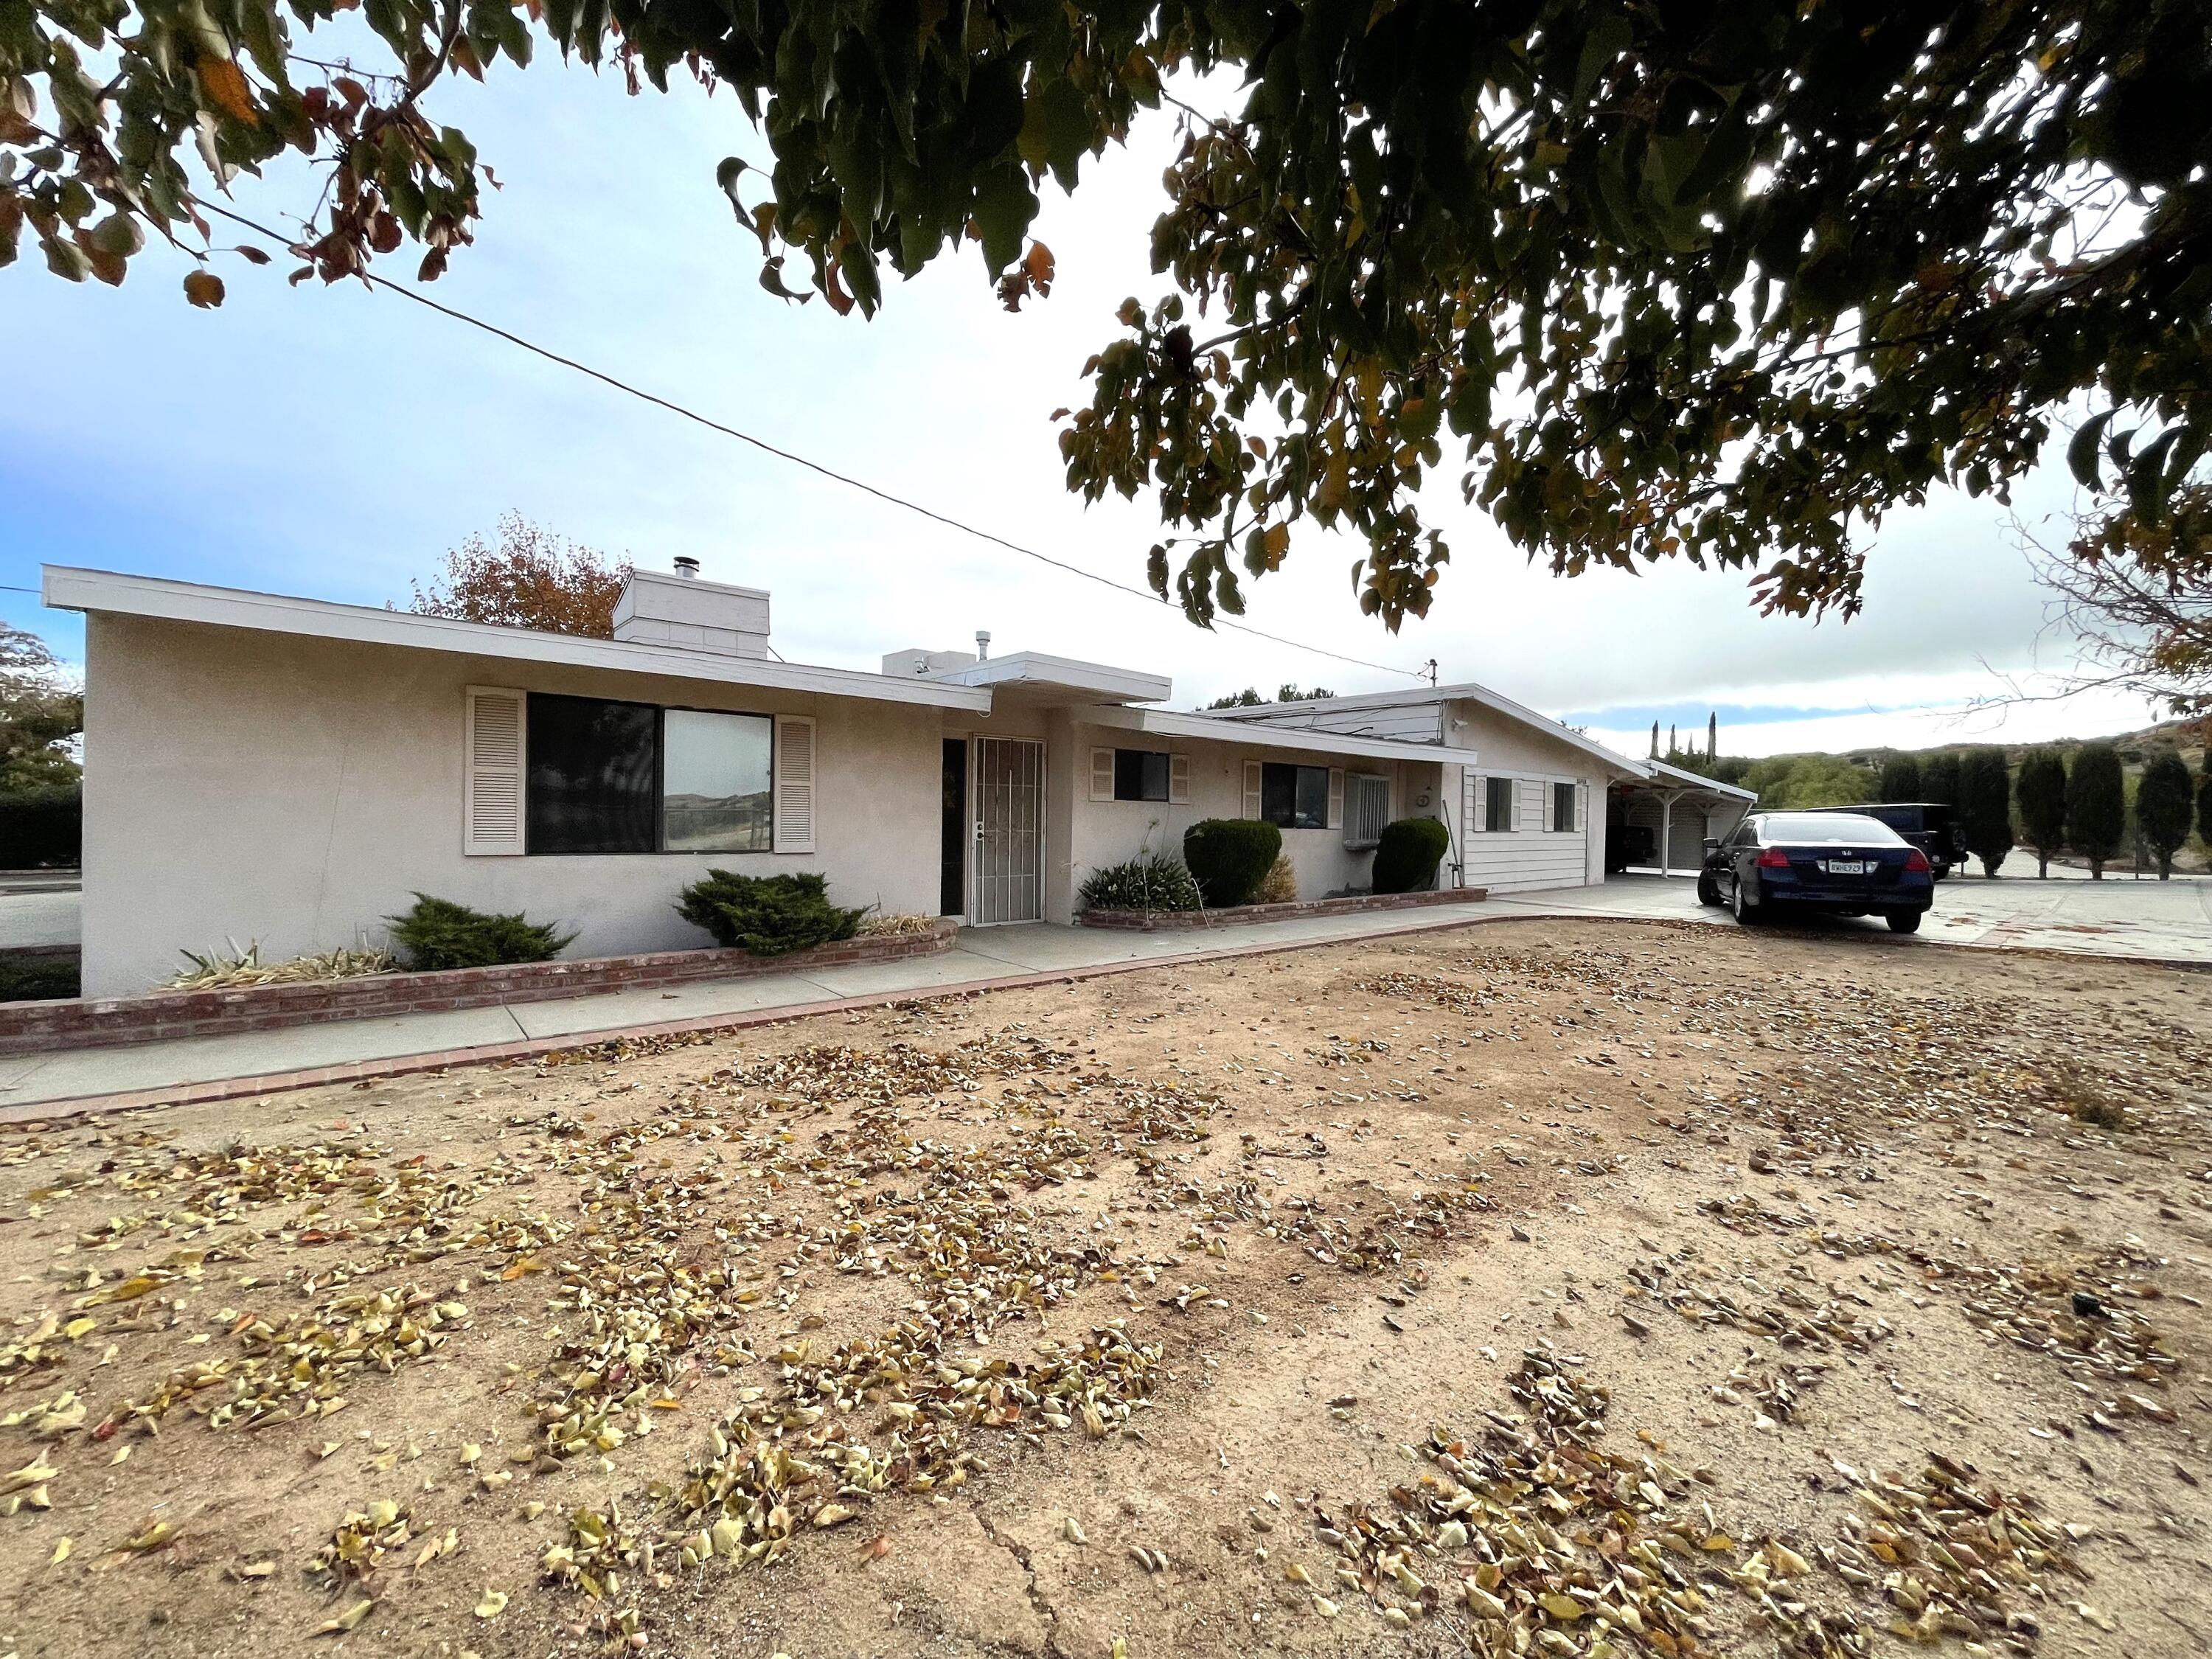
{"x": 1156, "y": 722}
{"x": 67, "y": 588}
{"x": 1690, "y": 780}
{"x": 1084, "y": 679}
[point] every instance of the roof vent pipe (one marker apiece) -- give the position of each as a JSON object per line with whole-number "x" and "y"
{"x": 982, "y": 645}
{"x": 686, "y": 565}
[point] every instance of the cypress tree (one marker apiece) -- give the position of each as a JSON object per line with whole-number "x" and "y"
{"x": 2096, "y": 806}
{"x": 1900, "y": 778}
{"x": 1985, "y": 806}
{"x": 2162, "y": 808}
{"x": 2205, "y": 799}
{"x": 1939, "y": 777}
{"x": 2043, "y": 805}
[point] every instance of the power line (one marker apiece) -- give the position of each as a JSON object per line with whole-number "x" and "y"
{"x": 761, "y": 444}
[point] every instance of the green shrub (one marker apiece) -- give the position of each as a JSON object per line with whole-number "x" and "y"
{"x": 37, "y": 976}
{"x": 768, "y": 915}
{"x": 1406, "y": 856}
{"x": 1228, "y": 858}
{"x": 41, "y": 828}
{"x": 1150, "y": 881}
{"x": 440, "y": 933}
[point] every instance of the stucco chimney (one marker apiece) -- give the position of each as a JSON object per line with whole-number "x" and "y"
{"x": 680, "y": 609}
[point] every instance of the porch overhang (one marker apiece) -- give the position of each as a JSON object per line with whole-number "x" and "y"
{"x": 1210, "y": 728}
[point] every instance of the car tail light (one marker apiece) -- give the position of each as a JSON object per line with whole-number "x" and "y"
{"x": 1916, "y": 862}
{"x": 1773, "y": 858}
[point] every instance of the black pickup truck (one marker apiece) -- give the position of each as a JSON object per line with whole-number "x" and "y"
{"x": 1930, "y": 825}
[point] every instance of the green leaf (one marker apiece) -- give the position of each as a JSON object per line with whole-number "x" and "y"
{"x": 2082, "y": 453}
{"x": 1005, "y": 205}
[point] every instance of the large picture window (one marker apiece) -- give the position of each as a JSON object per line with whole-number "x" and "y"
{"x": 628, "y": 777}
{"x": 1294, "y": 797}
{"x": 715, "y": 789}
{"x": 1140, "y": 774}
{"x": 594, "y": 776}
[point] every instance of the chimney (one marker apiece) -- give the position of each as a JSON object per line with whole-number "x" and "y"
{"x": 681, "y": 611}
{"x": 982, "y": 645}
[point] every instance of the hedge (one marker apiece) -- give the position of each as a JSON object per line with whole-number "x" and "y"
{"x": 1407, "y": 855}
{"x": 768, "y": 915}
{"x": 439, "y": 933}
{"x": 1230, "y": 857}
{"x": 41, "y": 828}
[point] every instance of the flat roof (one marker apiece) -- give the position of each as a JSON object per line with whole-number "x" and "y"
{"x": 1083, "y": 682}
{"x": 66, "y": 587}
{"x": 1159, "y": 723}
{"x": 1663, "y": 773}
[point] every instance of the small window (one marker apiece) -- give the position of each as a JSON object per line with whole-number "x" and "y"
{"x": 715, "y": 793}
{"x": 1563, "y": 806}
{"x": 594, "y": 776}
{"x": 1294, "y": 797}
{"x": 1497, "y": 804}
{"x": 1367, "y": 808}
{"x": 1140, "y": 774}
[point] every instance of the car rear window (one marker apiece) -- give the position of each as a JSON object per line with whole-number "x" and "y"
{"x": 1830, "y": 830}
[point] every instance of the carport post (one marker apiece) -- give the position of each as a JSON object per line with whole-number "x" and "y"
{"x": 1666, "y": 833}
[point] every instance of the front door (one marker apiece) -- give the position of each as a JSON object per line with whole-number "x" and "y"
{"x": 953, "y": 879}
{"x": 1009, "y": 830}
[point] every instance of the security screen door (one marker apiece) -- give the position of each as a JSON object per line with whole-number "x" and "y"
{"x": 1009, "y": 830}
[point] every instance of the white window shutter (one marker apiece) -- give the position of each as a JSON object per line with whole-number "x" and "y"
{"x": 1102, "y": 774}
{"x": 794, "y": 783}
{"x": 1545, "y": 799}
{"x": 1251, "y": 789}
{"x": 1335, "y": 799}
{"x": 1178, "y": 780}
{"x": 493, "y": 748}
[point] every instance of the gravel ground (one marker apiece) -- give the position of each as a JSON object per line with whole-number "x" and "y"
{"x": 1557, "y": 1288}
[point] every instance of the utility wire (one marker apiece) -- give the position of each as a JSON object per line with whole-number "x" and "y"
{"x": 866, "y": 487}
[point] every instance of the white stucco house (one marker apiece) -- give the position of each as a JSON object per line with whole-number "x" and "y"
{"x": 291, "y": 771}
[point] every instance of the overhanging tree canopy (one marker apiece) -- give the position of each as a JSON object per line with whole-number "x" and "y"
{"x": 1717, "y": 279}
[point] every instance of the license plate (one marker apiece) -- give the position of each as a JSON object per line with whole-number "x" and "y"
{"x": 1847, "y": 866}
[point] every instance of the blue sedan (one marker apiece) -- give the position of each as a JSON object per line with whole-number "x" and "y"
{"x": 1776, "y": 863}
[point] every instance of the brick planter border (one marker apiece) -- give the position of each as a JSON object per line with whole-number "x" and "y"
{"x": 29, "y": 1027}
{"x": 1161, "y": 921}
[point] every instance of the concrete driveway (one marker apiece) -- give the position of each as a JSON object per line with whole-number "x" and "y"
{"x": 2163, "y": 921}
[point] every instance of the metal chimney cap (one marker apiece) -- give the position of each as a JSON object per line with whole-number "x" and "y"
{"x": 982, "y": 644}
{"x": 686, "y": 565}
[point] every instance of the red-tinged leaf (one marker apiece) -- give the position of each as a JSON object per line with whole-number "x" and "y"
{"x": 351, "y": 90}
{"x": 204, "y": 288}
{"x": 833, "y": 292}
{"x": 1039, "y": 264}
{"x": 300, "y": 274}
{"x": 383, "y": 233}
{"x": 433, "y": 266}
{"x": 252, "y": 256}
{"x": 875, "y": 1548}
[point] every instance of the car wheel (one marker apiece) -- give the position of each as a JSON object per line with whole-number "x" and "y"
{"x": 1904, "y": 921}
{"x": 1708, "y": 890}
{"x": 1747, "y": 914}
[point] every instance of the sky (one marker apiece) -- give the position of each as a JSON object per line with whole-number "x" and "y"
{"x": 335, "y": 441}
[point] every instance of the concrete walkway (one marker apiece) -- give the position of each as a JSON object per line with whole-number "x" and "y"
{"x": 983, "y": 958}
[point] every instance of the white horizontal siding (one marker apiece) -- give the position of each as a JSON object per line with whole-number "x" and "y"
{"x": 1528, "y": 855}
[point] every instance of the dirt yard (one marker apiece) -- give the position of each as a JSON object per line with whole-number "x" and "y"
{"x": 1540, "y": 1288}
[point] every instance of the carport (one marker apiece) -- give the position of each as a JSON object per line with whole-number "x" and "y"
{"x": 1660, "y": 823}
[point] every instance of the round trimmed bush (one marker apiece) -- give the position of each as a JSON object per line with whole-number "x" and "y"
{"x": 1407, "y": 855}
{"x": 1230, "y": 857}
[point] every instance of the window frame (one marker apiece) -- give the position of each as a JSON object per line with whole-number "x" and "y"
{"x": 1166, "y": 759}
{"x": 1353, "y": 789}
{"x": 1565, "y": 798}
{"x": 1497, "y": 791}
{"x": 1298, "y": 770}
{"x": 660, "y": 713}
